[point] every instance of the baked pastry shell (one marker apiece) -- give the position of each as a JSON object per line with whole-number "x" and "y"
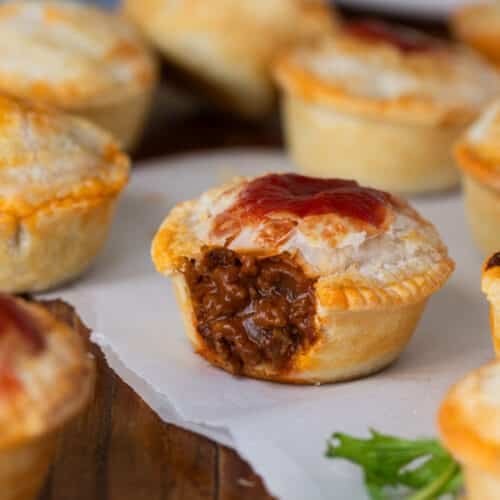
{"x": 490, "y": 284}
{"x": 26, "y": 455}
{"x": 23, "y": 469}
{"x": 234, "y": 63}
{"x": 466, "y": 27}
{"x": 327, "y": 141}
{"x": 482, "y": 198}
{"x": 361, "y": 328}
{"x": 478, "y": 455}
{"x": 53, "y": 245}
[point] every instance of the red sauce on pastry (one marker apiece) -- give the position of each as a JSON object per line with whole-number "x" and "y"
{"x": 13, "y": 318}
{"x": 494, "y": 261}
{"x": 305, "y": 196}
{"x": 405, "y": 40}
{"x": 9, "y": 383}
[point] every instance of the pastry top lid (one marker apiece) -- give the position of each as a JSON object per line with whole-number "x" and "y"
{"x": 47, "y": 156}
{"x": 384, "y": 70}
{"x": 478, "y": 151}
{"x": 337, "y": 230}
{"x": 469, "y": 419}
{"x": 70, "y": 54}
{"x": 46, "y": 375}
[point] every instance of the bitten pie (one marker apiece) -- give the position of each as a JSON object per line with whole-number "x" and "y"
{"x": 469, "y": 424}
{"x": 478, "y": 25}
{"x": 490, "y": 283}
{"x": 478, "y": 156}
{"x": 229, "y": 45}
{"x": 297, "y": 279}
{"x": 79, "y": 58}
{"x": 383, "y": 105}
{"x": 46, "y": 378}
{"x": 60, "y": 178}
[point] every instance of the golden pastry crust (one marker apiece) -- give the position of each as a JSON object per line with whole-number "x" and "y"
{"x": 230, "y": 45}
{"x": 364, "y": 275}
{"x": 478, "y": 156}
{"x": 478, "y": 25}
{"x": 490, "y": 284}
{"x": 58, "y": 191}
{"x": 413, "y": 158}
{"x": 40, "y": 390}
{"x": 446, "y": 84}
{"x": 478, "y": 151}
{"x": 72, "y": 55}
{"x": 405, "y": 96}
{"x": 78, "y": 58}
{"x": 46, "y": 378}
{"x": 469, "y": 420}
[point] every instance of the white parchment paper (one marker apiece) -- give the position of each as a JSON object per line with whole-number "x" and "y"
{"x": 280, "y": 430}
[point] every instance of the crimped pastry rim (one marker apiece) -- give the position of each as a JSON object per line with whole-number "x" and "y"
{"x": 461, "y": 438}
{"x": 415, "y": 110}
{"x": 88, "y": 189}
{"x": 63, "y": 202}
{"x": 397, "y": 294}
{"x": 83, "y": 377}
{"x": 340, "y": 298}
{"x": 477, "y": 167}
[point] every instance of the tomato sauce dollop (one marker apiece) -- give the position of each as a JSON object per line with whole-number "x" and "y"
{"x": 305, "y": 196}
{"x": 406, "y": 40}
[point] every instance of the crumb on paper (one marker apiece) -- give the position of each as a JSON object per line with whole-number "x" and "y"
{"x": 246, "y": 483}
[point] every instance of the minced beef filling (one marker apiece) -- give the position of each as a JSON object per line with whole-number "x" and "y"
{"x": 251, "y": 311}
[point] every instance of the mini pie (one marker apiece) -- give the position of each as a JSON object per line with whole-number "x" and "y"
{"x": 478, "y": 156}
{"x": 60, "y": 177}
{"x": 382, "y": 104}
{"x": 469, "y": 422}
{"x": 478, "y": 25}
{"x": 297, "y": 279}
{"x": 46, "y": 378}
{"x": 490, "y": 284}
{"x": 79, "y": 58}
{"x": 228, "y": 44}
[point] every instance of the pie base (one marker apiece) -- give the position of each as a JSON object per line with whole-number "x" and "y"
{"x": 23, "y": 468}
{"x": 397, "y": 157}
{"x": 53, "y": 245}
{"x": 482, "y": 205}
{"x": 124, "y": 118}
{"x": 352, "y": 344}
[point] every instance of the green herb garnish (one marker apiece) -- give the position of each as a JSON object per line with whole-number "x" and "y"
{"x": 421, "y": 466}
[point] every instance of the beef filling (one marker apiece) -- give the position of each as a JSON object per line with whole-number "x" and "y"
{"x": 251, "y": 311}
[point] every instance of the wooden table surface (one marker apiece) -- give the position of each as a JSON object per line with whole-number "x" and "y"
{"x": 119, "y": 449}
